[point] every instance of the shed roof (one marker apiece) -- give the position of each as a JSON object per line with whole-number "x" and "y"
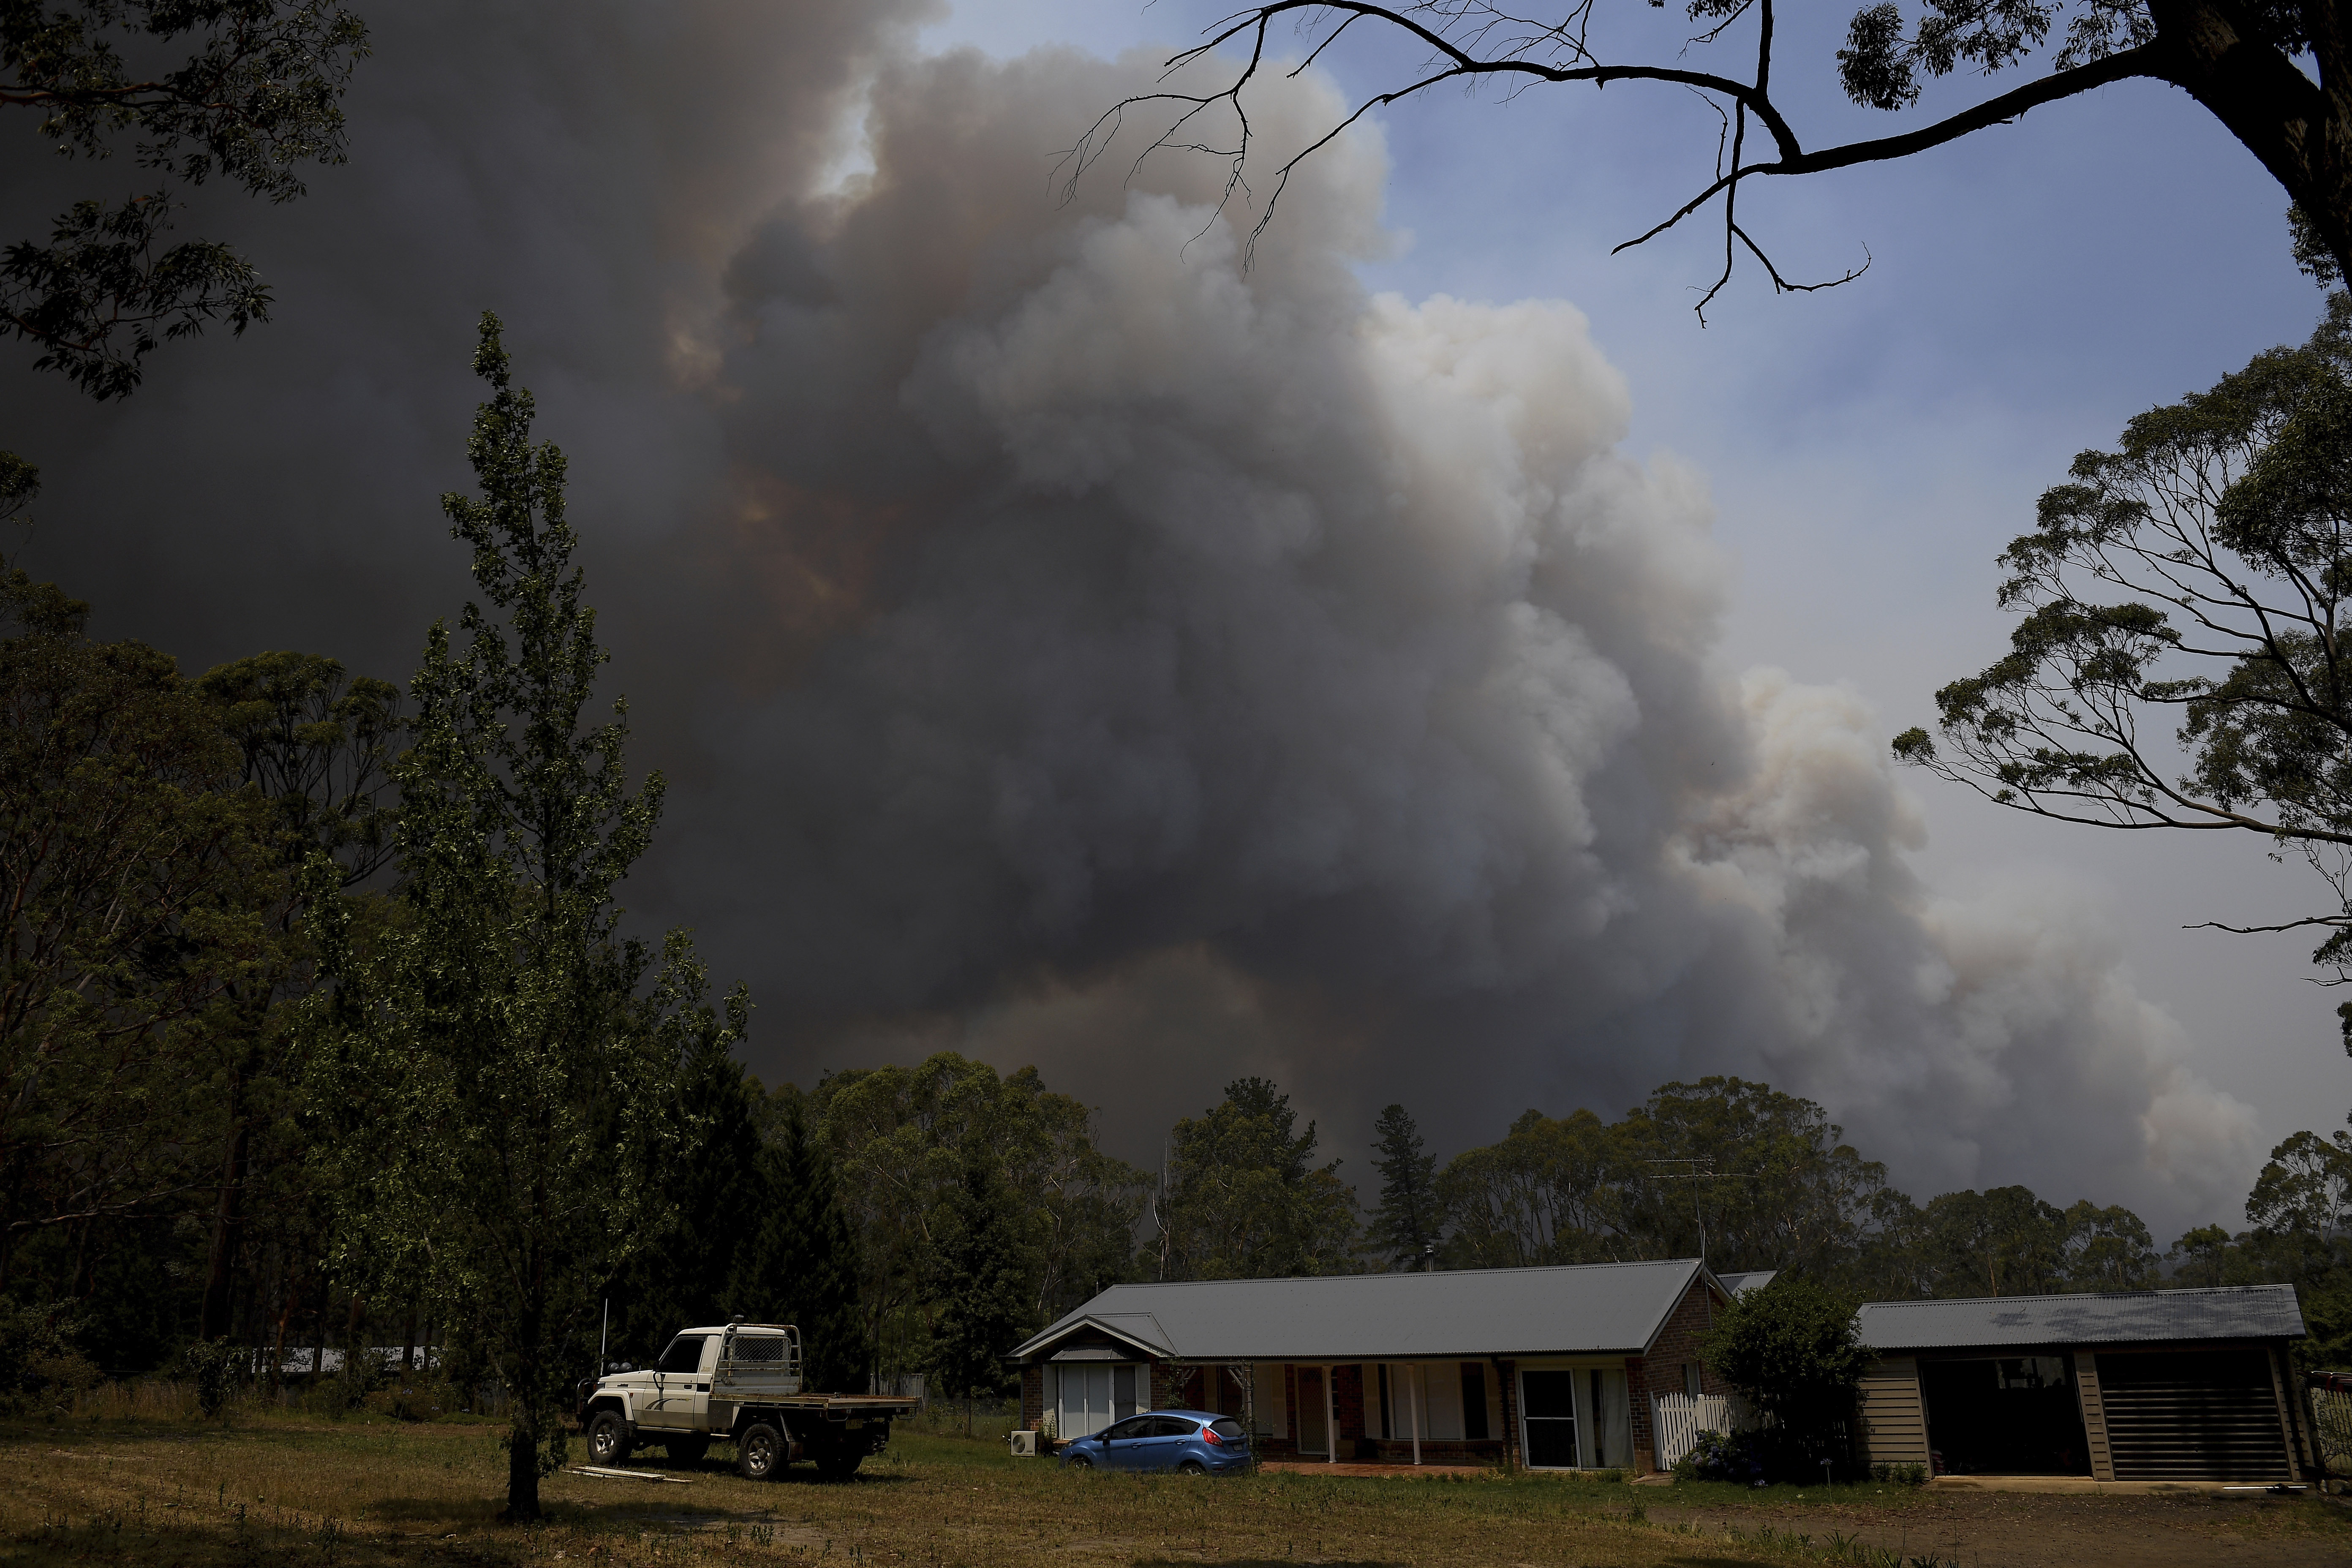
{"x": 1567, "y": 1309}
{"x": 2120, "y": 1317}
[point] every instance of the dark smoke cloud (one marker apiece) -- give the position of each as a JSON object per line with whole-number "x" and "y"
{"x": 1075, "y": 647}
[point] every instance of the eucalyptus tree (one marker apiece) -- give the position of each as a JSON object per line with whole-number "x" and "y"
{"x": 314, "y": 744}
{"x": 2180, "y": 663}
{"x": 2277, "y": 73}
{"x": 246, "y": 93}
{"x": 900, "y": 1139}
{"x": 1245, "y": 1198}
{"x": 508, "y": 1073}
{"x": 135, "y": 881}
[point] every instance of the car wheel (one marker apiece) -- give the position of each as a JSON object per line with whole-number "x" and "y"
{"x": 687, "y": 1450}
{"x": 1079, "y": 1462}
{"x": 837, "y": 1466}
{"x": 759, "y": 1452}
{"x": 608, "y": 1438}
{"x": 1192, "y": 1468}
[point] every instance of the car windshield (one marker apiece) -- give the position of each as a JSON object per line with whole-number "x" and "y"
{"x": 685, "y": 1354}
{"x": 1227, "y": 1428}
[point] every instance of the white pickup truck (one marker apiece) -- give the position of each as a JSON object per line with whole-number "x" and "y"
{"x": 741, "y": 1382}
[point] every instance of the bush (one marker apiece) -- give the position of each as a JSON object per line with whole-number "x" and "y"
{"x": 1899, "y": 1474}
{"x": 1721, "y": 1456}
{"x": 212, "y": 1366}
{"x": 1792, "y": 1348}
{"x": 40, "y": 1368}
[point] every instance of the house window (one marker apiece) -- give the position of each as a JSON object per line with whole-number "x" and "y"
{"x": 1474, "y": 1401}
{"x": 1690, "y": 1379}
{"x": 1388, "y": 1424}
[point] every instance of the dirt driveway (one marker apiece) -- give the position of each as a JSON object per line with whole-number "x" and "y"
{"x": 2007, "y": 1529}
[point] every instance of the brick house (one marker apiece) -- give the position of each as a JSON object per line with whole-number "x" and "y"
{"x": 1570, "y": 1367}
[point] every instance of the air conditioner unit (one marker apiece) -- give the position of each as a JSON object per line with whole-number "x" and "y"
{"x": 1024, "y": 1444}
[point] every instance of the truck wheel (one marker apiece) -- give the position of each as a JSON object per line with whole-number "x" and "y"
{"x": 837, "y": 1466}
{"x": 687, "y": 1450}
{"x": 759, "y": 1452}
{"x": 608, "y": 1438}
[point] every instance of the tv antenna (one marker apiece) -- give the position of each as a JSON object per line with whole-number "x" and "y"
{"x": 1701, "y": 1169}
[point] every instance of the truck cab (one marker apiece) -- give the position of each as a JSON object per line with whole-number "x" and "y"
{"x": 741, "y": 1382}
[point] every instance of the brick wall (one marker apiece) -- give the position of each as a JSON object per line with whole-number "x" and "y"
{"x": 1348, "y": 1402}
{"x": 1508, "y": 1371}
{"x": 1661, "y": 1370}
{"x": 1032, "y": 1396}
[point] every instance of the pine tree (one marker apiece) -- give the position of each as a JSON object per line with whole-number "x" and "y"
{"x": 1406, "y": 1224}
{"x": 981, "y": 1283}
{"x": 801, "y": 1265}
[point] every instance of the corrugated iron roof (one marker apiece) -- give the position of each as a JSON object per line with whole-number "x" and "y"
{"x": 2121, "y": 1317}
{"x": 1755, "y": 1279}
{"x": 1568, "y": 1310}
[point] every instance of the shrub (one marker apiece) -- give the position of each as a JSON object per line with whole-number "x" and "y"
{"x": 40, "y": 1368}
{"x": 1721, "y": 1456}
{"x": 1792, "y": 1348}
{"x": 210, "y": 1366}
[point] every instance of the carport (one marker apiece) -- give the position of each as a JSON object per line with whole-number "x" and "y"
{"x": 2143, "y": 1386}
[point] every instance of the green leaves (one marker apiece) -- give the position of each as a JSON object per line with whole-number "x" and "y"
{"x": 258, "y": 96}
{"x": 1789, "y": 1346}
{"x": 140, "y": 885}
{"x": 99, "y": 297}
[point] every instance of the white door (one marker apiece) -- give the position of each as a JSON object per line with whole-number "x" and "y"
{"x": 682, "y": 1366}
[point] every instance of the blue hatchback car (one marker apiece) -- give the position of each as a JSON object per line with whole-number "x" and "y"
{"x": 1194, "y": 1442}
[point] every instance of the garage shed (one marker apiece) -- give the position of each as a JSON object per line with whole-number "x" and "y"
{"x": 2144, "y": 1385}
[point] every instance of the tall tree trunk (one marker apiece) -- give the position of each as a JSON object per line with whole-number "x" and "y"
{"x": 523, "y": 1420}
{"x": 228, "y": 1216}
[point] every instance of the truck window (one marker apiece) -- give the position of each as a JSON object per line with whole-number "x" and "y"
{"x": 684, "y": 1355}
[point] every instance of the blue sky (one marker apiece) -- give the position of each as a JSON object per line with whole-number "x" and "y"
{"x": 1871, "y": 449}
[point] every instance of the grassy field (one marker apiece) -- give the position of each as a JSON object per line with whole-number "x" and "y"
{"x": 135, "y": 1482}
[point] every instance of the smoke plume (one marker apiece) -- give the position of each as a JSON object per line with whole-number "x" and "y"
{"x": 1078, "y": 638}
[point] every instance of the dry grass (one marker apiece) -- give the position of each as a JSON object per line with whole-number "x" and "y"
{"x": 273, "y": 1489}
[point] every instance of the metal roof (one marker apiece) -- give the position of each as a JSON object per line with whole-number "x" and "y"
{"x": 2121, "y": 1317}
{"x": 1753, "y": 1279}
{"x": 1571, "y": 1309}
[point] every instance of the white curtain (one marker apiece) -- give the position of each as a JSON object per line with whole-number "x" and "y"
{"x": 1603, "y": 1419}
{"x": 1273, "y": 1409}
{"x": 1440, "y": 1382}
{"x": 1094, "y": 1395}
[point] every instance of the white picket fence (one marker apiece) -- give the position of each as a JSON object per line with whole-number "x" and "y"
{"x": 1678, "y": 1419}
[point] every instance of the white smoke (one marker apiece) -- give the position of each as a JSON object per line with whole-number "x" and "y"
{"x": 1183, "y": 667}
